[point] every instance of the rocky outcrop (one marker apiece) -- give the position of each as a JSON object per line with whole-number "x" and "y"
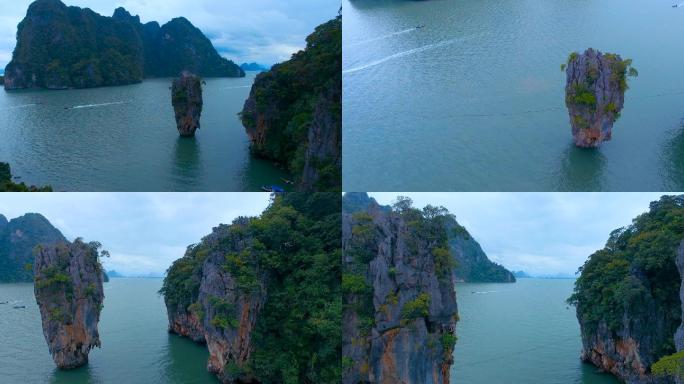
{"x": 595, "y": 94}
{"x": 186, "y": 98}
{"x": 217, "y": 311}
{"x": 400, "y": 309}
{"x": 679, "y": 336}
{"x": 628, "y": 297}
{"x": 264, "y": 293}
{"x": 60, "y": 47}
{"x": 311, "y": 101}
{"x": 18, "y": 238}
{"x": 68, "y": 289}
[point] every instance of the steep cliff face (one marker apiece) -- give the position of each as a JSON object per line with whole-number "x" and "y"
{"x": 472, "y": 264}
{"x": 60, "y": 47}
{"x": 293, "y": 113}
{"x": 68, "y": 289}
{"x": 400, "y": 307}
{"x": 595, "y": 94}
{"x": 254, "y": 289}
{"x": 627, "y": 295}
{"x": 186, "y": 98}
{"x": 18, "y": 238}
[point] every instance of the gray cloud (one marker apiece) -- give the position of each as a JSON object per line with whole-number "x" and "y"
{"x": 265, "y": 31}
{"x": 144, "y": 232}
{"x": 541, "y": 233}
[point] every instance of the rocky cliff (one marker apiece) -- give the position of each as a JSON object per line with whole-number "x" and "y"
{"x": 18, "y": 238}
{"x": 595, "y": 94}
{"x": 400, "y": 309}
{"x": 293, "y": 115}
{"x": 628, "y": 295}
{"x": 60, "y": 47}
{"x": 68, "y": 289}
{"x": 186, "y": 98}
{"x": 254, "y": 289}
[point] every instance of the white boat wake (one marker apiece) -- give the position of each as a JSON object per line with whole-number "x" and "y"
{"x": 387, "y": 36}
{"x": 96, "y": 105}
{"x": 402, "y": 54}
{"x": 22, "y": 106}
{"x": 237, "y": 87}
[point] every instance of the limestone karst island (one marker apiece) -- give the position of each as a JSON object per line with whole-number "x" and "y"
{"x": 242, "y": 288}
{"x": 164, "y": 95}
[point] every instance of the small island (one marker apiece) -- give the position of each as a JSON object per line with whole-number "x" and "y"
{"x": 69, "y": 293}
{"x": 594, "y": 94}
{"x": 186, "y": 98}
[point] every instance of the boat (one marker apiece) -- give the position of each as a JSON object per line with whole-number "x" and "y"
{"x": 286, "y": 181}
{"x": 420, "y": 26}
{"x": 272, "y": 188}
{"x": 4, "y": 302}
{"x": 675, "y": 6}
{"x": 19, "y": 306}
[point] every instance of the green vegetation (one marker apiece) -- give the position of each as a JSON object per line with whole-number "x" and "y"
{"x": 581, "y": 95}
{"x": 621, "y": 70}
{"x": 287, "y": 98}
{"x": 60, "y": 47}
{"x": 636, "y": 270}
{"x": 7, "y": 185}
{"x": 291, "y": 253}
{"x": 671, "y": 365}
{"x": 416, "y": 308}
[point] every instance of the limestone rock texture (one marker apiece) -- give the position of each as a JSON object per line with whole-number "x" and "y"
{"x": 293, "y": 115}
{"x": 216, "y": 311}
{"x": 595, "y": 94}
{"x": 400, "y": 309}
{"x": 186, "y": 98}
{"x": 69, "y": 293}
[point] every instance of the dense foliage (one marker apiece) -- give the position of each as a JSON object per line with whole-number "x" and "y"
{"x": 287, "y": 97}
{"x": 7, "y": 185}
{"x": 635, "y": 273}
{"x": 69, "y": 47}
{"x": 294, "y": 252}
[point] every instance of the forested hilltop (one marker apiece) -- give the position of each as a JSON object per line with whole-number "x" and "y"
{"x": 60, "y": 47}
{"x": 18, "y": 239}
{"x": 264, "y": 293}
{"x": 628, "y": 297}
{"x": 294, "y": 112}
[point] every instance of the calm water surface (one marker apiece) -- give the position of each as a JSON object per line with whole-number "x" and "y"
{"x": 475, "y": 99}
{"x": 125, "y": 139}
{"x": 520, "y": 333}
{"x": 135, "y": 345}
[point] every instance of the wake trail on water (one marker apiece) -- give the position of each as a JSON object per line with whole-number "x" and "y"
{"x": 96, "y": 105}
{"x": 402, "y": 54}
{"x": 387, "y": 36}
{"x": 242, "y": 86}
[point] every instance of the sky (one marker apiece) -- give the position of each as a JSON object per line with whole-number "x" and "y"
{"x": 262, "y": 31}
{"x": 539, "y": 233}
{"x": 144, "y": 232}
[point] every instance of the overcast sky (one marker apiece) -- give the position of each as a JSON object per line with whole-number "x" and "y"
{"x": 145, "y": 232}
{"x": 264, "y": 31}
{"x": 540, "y": 233}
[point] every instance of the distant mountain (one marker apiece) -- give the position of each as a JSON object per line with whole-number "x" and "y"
{"x": 521, "y": 274}
{"x": 254, "y": 67}
{"x": 114, "y": 273}
{"x": 471, "y": 262}
{"x": 60, "y": 47}
{"x": 18, "y": 238}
